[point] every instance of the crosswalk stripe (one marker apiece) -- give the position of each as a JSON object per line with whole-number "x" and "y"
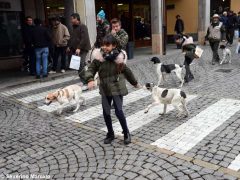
{"x": 96, "y": 111}
{"x": 187, "y": 135}
{"x": 37, "y": 97}
{"x": 37, "y": 86}
{"x": 235, "y": 164}
{"x": 140, "y": 119}
{"x": 54, "y": 106}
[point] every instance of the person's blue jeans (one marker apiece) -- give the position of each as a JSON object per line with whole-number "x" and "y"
{"x": 42, "y": 58}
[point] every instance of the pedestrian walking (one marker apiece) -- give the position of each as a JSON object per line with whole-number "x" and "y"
{"x": 41, "y": 40}
{"x": 102, "y": 28}
{"x": 119, "y": 33}
{"x": 232, "y": 21}
{"x": 188, "y": 48}
{"x": 215, "y": 34}
{"x": 112, "y": 73}
{"x": 29, "y": 54}
{"x": 179, "y": 25}
{"x": 238, "y": 24}
{"x": 79, "y": 43}
{"x": 179, "y": 28}
{"x": 60, "y": 37}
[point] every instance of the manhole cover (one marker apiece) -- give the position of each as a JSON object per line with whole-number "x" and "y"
{"x": 224, "y": 70}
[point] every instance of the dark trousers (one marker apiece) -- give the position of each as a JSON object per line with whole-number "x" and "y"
{"x": 118, "y": 103}
{"x": 57, "y": 52}
{"x": 230, "y": 35}
{"x": 214, "y": 46}
{"x": 83, "y": 55}
{"x": 187, "y": 62}
{"x": 29, "y": 58}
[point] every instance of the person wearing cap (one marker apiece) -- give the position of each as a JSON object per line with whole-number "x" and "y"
{"x": 60, "y": 37}
{"x": 102, "y": 28}
{"x": 79, "y": 43}
{"x": 215, "y": 34}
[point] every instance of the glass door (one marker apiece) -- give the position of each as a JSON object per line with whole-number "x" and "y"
{"x": 10, "y": 34}
{"x": 142, "y": 23}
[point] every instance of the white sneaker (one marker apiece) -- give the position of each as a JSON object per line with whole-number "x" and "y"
{"x": 62, "y": 71}
{"x": 52, "y": 72}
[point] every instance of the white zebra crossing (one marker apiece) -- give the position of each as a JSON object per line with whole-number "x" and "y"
{"x": 96, "y": 111}
{"x": 54, "y": 106}
{"x": 186, "y": 136}
{"x": 140, "y": 119}
{"x": 235, "y": 164}
{"x": 37, "y": 86}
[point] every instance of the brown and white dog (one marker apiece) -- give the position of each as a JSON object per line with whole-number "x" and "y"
{"x": 164, "y": 96}
{"x": 65, "y": 96}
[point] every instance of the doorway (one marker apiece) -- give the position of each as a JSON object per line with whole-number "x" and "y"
{"x": 218, "y": 6}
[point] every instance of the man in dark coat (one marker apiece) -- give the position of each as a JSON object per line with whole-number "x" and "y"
{"x": 41, "y": 39}
{"x": 29, "y": 56}
{"x": 179, "y": 25}
{"x": 79, "y": 42}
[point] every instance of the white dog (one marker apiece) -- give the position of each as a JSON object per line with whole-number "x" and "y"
{"x": 162, "y": 69}
{"x": 65, "y": 96}
{"x": 176, "y": 97}
{"x": 227, "y": 55}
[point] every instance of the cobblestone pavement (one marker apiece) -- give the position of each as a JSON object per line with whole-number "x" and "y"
{"x": 36, "y": 143}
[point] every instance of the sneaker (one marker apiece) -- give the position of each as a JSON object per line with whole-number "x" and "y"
{"x": 52, "y": 72}
{"x": 37, "y": 77}
{"x": 109, "y": 138}
{"x": 63, "y": 71}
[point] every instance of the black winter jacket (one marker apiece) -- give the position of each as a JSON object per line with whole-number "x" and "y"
{"x": 41, "y": 37}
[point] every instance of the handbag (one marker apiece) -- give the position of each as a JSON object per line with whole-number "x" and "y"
{"x": 75, "y": 62}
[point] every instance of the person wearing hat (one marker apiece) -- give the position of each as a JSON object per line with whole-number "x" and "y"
{"x": 215, "y": 34}
{"x": 102, "y": 28}
{"x": 60, "y": 37}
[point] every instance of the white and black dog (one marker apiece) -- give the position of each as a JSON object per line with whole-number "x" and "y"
{"x": 163, "y": 69}
{"x": 164, "y": 96}
{"x": 227, "y": 55}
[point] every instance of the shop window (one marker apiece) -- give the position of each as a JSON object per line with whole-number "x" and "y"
{"x": 142, "y": 21}
{"x": 10, "y": 34}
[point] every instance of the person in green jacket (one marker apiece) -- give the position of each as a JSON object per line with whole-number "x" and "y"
{"x": 109, "y": 63}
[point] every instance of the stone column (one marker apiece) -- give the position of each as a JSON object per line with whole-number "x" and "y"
{"x": 157, "y": 26}
{"x": 86, "y": 9}
{"x": 203, "y": 19}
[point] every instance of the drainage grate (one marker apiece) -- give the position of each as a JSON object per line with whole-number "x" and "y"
{"x": 224, "y": 70}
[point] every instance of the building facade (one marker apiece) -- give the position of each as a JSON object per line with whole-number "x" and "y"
{"x": 148, "y": 22}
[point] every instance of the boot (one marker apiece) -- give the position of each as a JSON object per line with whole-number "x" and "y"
{"x": 127, "y": 138}
{"x": 109, "y": 138}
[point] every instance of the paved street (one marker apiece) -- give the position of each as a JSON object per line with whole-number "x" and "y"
{"x": 37, "y": 143}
